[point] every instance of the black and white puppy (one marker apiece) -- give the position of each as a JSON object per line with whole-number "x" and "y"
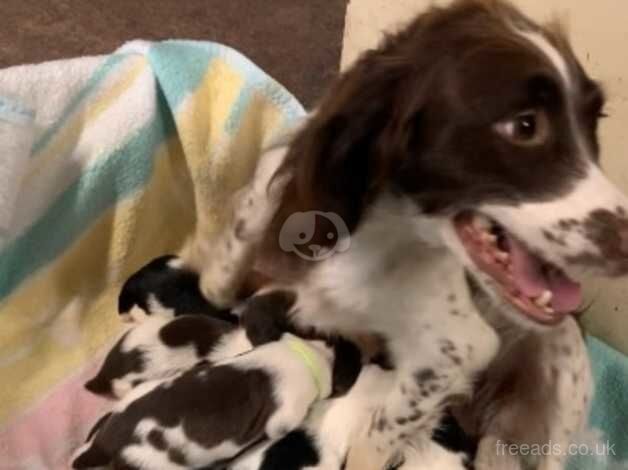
{"x": 211, "y": 413}
{"x": 323, "y": 441}
{"x": 165, "y": 286}
{"x": 161, "y": 347}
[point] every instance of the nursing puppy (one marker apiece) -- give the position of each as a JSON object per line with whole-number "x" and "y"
{"x": 323, "y": 441}
{"x": 160, "y": 347}
{"x": 211, "y": 413}
{"x": 164, "y": 286}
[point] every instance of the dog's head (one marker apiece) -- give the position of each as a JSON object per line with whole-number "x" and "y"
{"x": 487, "y": 123}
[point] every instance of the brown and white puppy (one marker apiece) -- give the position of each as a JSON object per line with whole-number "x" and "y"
{"x": 323, "y": 441}
{"x": 211, "y": 413}
{"x": 160, "y": 347}
{"x": 465, "y": 142}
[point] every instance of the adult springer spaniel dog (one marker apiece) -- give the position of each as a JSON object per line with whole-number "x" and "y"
{"x": 462, "y": 158}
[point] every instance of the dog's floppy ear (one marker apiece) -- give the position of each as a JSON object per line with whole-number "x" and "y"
{"x": 353, "y": 142}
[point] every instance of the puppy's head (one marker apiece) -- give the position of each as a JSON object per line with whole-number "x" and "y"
{"x": 146, "y": 282}
{"x": 347, "y": 366}
{"x": 484, "y": 125}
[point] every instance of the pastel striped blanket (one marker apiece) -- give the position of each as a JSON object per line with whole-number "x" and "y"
{"x": 111, "y": 160}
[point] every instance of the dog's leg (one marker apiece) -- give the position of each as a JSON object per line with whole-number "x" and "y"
{"x": 570, "y": 375}
{"x": 545, "y": 402}
{"x": 410, "y": 413}
{"x": 225, "y": 260}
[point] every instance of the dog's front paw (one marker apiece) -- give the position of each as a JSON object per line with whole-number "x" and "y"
{"x": 219, "y": 290}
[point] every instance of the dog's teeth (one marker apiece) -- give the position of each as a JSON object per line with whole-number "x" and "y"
{"x": 502, "y": 256}
{"x": 489, "y": 238}
{"x": 481, "y": 223}
{"x": 544, "y": 299}
{"x": 549, "y": 310}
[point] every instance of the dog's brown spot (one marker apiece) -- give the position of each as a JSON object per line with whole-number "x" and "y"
{"x": 240, "y": 227}
{"x": 401, "y": 421}
{"x": 424, "y": 375}
{"x": 555, "y": 373}
{"x": 552, "y": 238}
{"x": 416, "y": 416}
{"x": 607, "y": 231}
{"x": 568, "y": 224}
{"x": 566, "y": 350}
{"x": 177, "y": 457}
{"x": 455, "y": 312}
{"x": 451, "y": 297}
{"x": 156, "y": 439}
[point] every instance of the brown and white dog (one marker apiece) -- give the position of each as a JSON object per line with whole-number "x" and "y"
{"x": 466, "y": 143}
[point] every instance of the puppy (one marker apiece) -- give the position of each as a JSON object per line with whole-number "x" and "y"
{"x": 323, "y": 441}
{"x": 464, "y": 143}
{"x": 211, "y": 413}
{"x": 164, "y": 286}
{"x": 161, "y": 347}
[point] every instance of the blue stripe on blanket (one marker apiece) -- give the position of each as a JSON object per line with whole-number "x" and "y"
{"x": 181, "y": 65}
{"x": 102, "y": 71}
{"x": 109, "y": 181}
{"x": 609, "y": 412}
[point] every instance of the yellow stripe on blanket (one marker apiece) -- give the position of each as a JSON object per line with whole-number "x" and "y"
{"x": 65, "y": 140}
{"x": 202, "y": 116}
{"x": 220, "y": 163}
{"x": 46, "y": 334}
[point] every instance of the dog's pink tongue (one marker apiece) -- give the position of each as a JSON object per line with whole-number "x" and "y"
{"x": 532, "y": 281}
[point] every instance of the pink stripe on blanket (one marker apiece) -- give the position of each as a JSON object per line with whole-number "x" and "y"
{"x": 46, "y": 436}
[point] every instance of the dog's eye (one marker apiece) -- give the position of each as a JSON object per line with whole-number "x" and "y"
{"x": 529, "y": 128}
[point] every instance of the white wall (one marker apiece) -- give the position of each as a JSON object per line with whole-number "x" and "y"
{"x": 599, "y": 33}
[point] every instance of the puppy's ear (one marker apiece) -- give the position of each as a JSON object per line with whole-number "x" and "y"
{"x": 265, "y": 317}
{"x": 90, "y": 456}
{"x": 347, "y": 366}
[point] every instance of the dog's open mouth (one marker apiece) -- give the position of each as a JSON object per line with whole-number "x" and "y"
{"x": 537, "y": 288}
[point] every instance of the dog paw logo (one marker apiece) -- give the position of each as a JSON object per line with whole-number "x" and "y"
{"x": 299, "y": 229}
